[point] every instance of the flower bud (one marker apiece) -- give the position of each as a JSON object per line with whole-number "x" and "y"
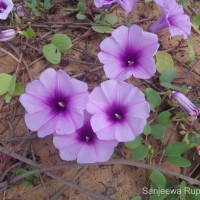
{"x": 7, "y": 35}
{"x": 188, "y": 107}
{"x": 20, "y": 11}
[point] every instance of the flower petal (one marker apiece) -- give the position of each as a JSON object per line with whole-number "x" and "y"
{"x": 99, "y": 122}
{"x": 107, "y": 133}
{"x": 97, "y": 101}
{"x": 104, "y": 150}
{"x": 87, "y": 154}
{"x": 70, "y": 152}
{"x": 123, "y": 132}
{"x": 36, "y": 120}
{"x": 137, "y": 125}
{"x": 48, "y": 128}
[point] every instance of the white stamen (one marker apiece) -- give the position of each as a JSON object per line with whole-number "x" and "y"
{"x": 87, "y": 138}
{"x": 61, "y": 104}
{"x": 130, "y": 62}
{"x": 117, "y": 116}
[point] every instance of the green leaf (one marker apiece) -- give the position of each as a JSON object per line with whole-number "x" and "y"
{"x": 174, "y": 87}
{"x": 196, "y": 23}
{"x": 102, "y": 29}
{"x": 110, "y": 19}
{"x": 194, "y": 139}
{"x": 158, "y": 196}
{"x": 192, "y": 193}
{"x": 36, "y": 12}
{"x": 81, "y": 7}
{"x": 18, "y": 90}
{"x": 29, "y": 178}
{"x": 8, "y": 98}
{"x": 12, "y": 84}
{"x": 51, "y": 53}
{"x": 182, "y": 188}
{"x": 157, "y": 131}
{"x": 173, "y": 197}
{"x": 179, "y": 161}
{"x": 29, "y": 33}
{"x": 47, "y": 4}
{"x": 26, "y": 183}
{"x": 184, "y": 3}
{"x": 153, "y": 98}
{"x": 62, "y": 42}
{"x": 21, "y": 171}
{"x": 158, "y": 179}
{"x": 104, "y": 23}
{"x": 147, "y": 129}
{"x": 137, "y": 198}
{"x": 163, "y": 118}
{"x": 4, "y": 83}
{"x": 140, "y": 152}
{"x": 176, "y": 149}
{"x": 192, "y": 53}
{"x": 135, "y": 143}
{"x": 168, "y": 75}
{"x": 81, "y": 16}
{"x": 164, "y": 61}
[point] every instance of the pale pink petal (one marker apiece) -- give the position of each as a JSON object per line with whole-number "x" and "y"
{"x": 97, "y": 101}
{"x": 139, "y": 110}
{"x": 32, "y": 104}
{"x": 49, "y": 78}
{"x": 77, "y": 87}
{"x": 144, "y": 70}
{"x": 104, "y": 150}
{"x": 77, "y": 118}
{"x": 110, "y": 46}
{"x": 61, "y": 141}
{"x": 70, "y": 152}
{"x": 107, "y": 133}
{"x": 116, "y": 71}
{"x": 37, "y": 89}
{"x": 48, "y": 128}
{"x": 135, "y": 96}
{"x": 137, "y": 125}
{"x": 121, "y": 35}
{"x": 63, "y": 83}
{"x": 109, "y": 89}
{"x": 87, "y": 154}
{"x": 36, "y": 120}
{"x": 122, "y": 92}
{"x": 123, "y": 132}
{"x": 127, "y": 5}
{"x": 99, "y": 122}
{"x": 64, "y": 125}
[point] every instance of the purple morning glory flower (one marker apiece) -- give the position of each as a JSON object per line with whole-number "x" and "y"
{"x": 172, "y": 17}
{"x": 7, "y": 35}
{"x": 54, "y": 103}
{"x": 127, "y": 5}
{"x": 188, "y": 107}
{"x": 5, "y": 8}
{"x": 119, "y": 110}
{"x": 101, "y": 3}
{"x": 129, "y": 51}
{"x": 84, "y": 145}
